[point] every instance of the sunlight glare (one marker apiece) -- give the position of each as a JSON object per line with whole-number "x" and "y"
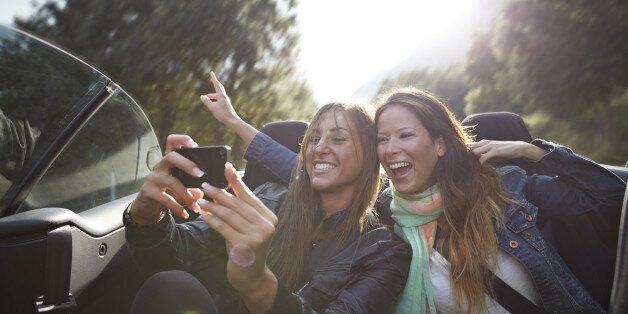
{"x": 344, "y": 43}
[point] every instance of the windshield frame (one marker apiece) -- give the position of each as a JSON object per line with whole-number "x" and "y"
{"x": 102, "y": 89}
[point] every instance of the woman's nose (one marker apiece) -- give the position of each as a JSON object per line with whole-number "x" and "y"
{"x": 321, "y": 147}
{"x": 392, "y": 148}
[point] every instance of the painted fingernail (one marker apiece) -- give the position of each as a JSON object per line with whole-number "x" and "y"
{"x": 202, "y": 202}
{"x": 204, "y": 98}
{"x": 192, "y": 143}
{"x": 197, "y": 172}
{"x": 207, "y": 187}
{"x": 195, "y": 208}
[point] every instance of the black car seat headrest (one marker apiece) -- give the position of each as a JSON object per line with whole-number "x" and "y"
{"x": 500, "y": 126}
{"x": 287, "y": 133}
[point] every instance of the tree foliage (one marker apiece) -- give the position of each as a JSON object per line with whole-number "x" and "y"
{"x": 448, "y": 84}
{"x": 561, "y": 64}
{"x": 161, "y": 52}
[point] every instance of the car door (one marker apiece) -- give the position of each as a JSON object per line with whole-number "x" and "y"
{"x": 75, "y": 149}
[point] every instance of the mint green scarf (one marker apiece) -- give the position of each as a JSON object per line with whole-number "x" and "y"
{"x": 409, "y": 212}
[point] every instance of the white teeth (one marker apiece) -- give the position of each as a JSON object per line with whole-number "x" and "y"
{"x": 398, "y": 165}
{"x": 320, "y": 166}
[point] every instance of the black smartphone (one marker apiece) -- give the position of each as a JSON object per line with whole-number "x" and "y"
{"x": 210, "y": 159}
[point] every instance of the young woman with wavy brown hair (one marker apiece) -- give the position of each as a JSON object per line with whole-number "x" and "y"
{"x": 467, "y": 221}
{"x": 313, "y": 247}
{"x": 468, "y": 193}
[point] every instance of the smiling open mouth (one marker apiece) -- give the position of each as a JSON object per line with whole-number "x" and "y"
{"x": 400, "y": 168}
{"x": 323, "y": 166}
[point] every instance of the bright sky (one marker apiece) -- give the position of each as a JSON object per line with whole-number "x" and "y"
{"x": 344, "y": 43}
{"x": 10, "y": 8}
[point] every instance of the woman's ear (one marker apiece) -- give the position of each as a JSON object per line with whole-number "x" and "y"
{"x": 441, "y": 147}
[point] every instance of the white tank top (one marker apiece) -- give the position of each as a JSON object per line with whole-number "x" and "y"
{"x": 509, "y": 270}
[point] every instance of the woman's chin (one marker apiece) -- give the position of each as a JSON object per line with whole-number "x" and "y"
{"x": 403, "y": 187}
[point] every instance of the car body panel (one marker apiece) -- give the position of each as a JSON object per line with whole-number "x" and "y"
{"x": 94, "y": 147}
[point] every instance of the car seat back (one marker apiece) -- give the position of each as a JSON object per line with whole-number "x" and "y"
{"x": 287, "y": 133}
{"x": 500, "y": 126}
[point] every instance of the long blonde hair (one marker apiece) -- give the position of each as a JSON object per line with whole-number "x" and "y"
{"x": 472, "y": 196}
{"x": 300, "y": 212}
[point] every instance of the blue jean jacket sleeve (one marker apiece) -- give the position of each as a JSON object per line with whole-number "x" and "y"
{"x": 274, "y": 157}
{"x": 573, "y": 184}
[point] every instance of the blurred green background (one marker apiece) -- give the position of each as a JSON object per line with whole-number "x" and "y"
{"x": 561, "y": 64}
{"x": 161, "y": 52}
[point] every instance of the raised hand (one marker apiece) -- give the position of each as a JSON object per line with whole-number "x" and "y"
{"x": 247, "y": 226}
{"x": 221, "y": 108}
{"x": 219, "y": 104}
{"x": 488, "y": 150}
{"x": 160, "y": 190}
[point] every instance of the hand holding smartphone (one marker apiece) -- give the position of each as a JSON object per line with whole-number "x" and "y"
{"x": 210, "y": 159}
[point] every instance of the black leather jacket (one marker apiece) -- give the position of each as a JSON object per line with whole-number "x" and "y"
{"x": 365, "y": 275}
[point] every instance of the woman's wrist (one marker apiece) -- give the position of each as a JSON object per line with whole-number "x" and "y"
{"x": 260, "y": 295}
{"x": 142, "y": 219}
{"x": 245, "y": 131}
{"x": 233, "y": 122}
{"x": 534, "y": 152}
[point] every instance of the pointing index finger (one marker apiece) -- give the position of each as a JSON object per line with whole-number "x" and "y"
{"x": 244, "y": 193}
{"x": 217, "y": 85}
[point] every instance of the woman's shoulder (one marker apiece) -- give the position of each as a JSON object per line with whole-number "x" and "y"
{"x": 513, "y": 178}
{"x": 381, "y": 246}
{"x": 382, "y": 238}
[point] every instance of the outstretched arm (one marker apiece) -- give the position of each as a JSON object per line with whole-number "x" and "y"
{"x": 261, "y": 148}
{"x": 488, "y": 150}
{"x": 571, "y": 183}
{"x": 221, "y": 108}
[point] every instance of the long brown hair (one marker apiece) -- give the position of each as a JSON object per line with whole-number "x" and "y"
{"x": 300, "y": 212}
{"x": 472, "y": 196}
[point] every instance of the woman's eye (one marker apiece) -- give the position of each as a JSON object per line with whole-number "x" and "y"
{"x": 314, "y": 139}
{"x": 405, "y": 135}
{"x": 381, "y": 139}
{"x": 339, "y": 139}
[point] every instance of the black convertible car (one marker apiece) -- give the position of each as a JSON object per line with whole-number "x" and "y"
{"x": 75, "y": 149}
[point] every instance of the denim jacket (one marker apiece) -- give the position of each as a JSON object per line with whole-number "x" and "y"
{"x": 574, "y": 186}
{"x": 578, "y": 185}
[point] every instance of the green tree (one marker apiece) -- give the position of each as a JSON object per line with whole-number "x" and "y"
{"x": 562, "y": 64}
{"x": 449, "y": 84}
{"x": 162, "y": 52}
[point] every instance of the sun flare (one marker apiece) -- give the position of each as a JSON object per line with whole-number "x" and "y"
{"x": 344, "y": 43}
